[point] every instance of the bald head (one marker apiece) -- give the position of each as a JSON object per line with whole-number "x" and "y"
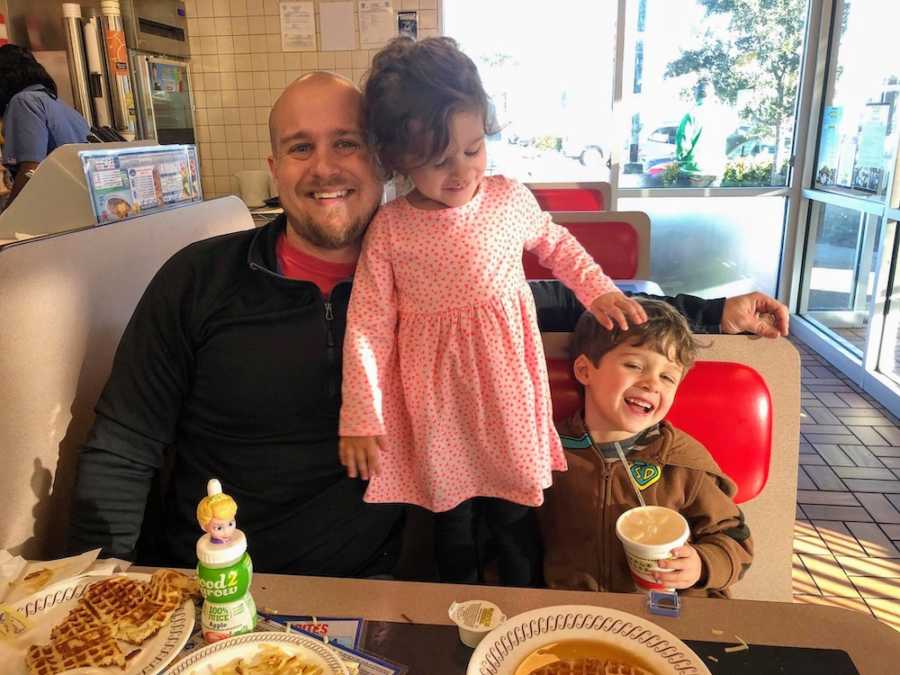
{"x": 320, "y": 85}
{"x": 327, "y": 179}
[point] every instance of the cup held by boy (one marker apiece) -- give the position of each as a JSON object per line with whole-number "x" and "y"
{"x": 630, "y": 379}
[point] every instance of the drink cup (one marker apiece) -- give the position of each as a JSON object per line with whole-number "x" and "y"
{"x": 649, "y": 533}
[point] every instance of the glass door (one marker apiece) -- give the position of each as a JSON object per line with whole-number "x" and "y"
{"x": 846, "y": 297}
{"x": 165, "y": 95}
{"x": 839, "y": 272}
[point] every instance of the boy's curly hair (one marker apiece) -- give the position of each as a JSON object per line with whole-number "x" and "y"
{"x": 664, "y": 331}
{"x": 410, "y": 94}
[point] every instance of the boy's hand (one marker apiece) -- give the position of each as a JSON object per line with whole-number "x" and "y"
{"x": 360, "y": 455}
{"x": 683, "y": 568}
{"x": 615, "y": 307}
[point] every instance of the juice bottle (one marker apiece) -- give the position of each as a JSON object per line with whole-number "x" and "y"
{"x": 224, "y": 570}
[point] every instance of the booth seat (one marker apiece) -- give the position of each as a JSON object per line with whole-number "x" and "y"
{"x": 65, "y": 301}
{"x": 742, "y": 447}
{"x": 588, "y": 196}
{"x": 618, "y": 240}
{"x": 742, "y": 400}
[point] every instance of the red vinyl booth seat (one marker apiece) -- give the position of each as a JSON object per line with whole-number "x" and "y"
{"x": 726, "y": 406}
{"x": 569, "y": 199}
{"x": 614, "y": 245}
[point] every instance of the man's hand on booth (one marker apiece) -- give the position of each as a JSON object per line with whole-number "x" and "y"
{"x": 755, "y": 313}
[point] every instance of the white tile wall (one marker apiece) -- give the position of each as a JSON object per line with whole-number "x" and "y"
{"x": 239, "y": 69}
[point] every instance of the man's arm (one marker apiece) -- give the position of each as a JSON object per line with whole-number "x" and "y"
{"x": 558, "y": 309}
{"x": 137, "y": 414}
{"x": 109, "y": 502}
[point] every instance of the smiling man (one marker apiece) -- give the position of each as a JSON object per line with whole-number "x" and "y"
{"x": 232, "y": 361}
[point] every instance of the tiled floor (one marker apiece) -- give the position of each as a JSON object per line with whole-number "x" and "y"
{"x": 847, "y": 533}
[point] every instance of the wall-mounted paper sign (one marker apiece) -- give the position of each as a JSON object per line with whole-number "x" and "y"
{"x": 408, "y": 24}
{"x": 337, "y": 22}
{"x": 376, "y": 22}
{"x": 298, "y": 26}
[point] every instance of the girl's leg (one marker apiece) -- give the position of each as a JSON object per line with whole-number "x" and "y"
{"x": 454, "y": 545}
{"x": 515, "y": 531}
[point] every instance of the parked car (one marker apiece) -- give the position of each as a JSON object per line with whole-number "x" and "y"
{"x": 657, "y": 147}
{"x": 588, "y": 151}
{"x": 755, "y": 149}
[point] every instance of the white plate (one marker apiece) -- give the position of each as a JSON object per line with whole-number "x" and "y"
{"x": 51, "y": 606}
{"x": 203, "y": 661}
{"x": 505, "y": 647}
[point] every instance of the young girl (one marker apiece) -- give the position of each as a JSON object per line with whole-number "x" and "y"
{"x": 445, "y": 392}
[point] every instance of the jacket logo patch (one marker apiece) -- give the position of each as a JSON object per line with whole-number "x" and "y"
{"x": 645, "y": 474}
{"x": 572, "y": 443}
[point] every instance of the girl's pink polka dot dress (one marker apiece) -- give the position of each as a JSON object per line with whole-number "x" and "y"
{"x": 443, "y": 356}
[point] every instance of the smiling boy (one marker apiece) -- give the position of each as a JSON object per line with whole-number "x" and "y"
{"x": 630, "y": 379}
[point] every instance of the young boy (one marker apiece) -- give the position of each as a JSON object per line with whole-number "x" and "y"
{"x": 630, "y": 379}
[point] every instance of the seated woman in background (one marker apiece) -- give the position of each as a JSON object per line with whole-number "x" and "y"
{"x": 35, "y": 121}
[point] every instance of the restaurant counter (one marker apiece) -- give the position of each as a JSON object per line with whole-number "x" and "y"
{"x": 873, "y": 647}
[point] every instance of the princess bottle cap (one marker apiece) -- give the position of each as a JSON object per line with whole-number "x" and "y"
{"x": 235, "y": 544}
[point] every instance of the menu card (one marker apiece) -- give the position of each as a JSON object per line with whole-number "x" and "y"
{"x": 129, "y": 182}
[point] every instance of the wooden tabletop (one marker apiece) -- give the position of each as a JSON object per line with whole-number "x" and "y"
{"x": 874, "y": 647}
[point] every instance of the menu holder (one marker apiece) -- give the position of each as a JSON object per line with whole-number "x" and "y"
{"x": 129, "y": 182}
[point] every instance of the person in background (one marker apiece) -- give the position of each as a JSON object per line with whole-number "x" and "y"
{"x": 630, "y": 378}
{"x": 35, "y": 121}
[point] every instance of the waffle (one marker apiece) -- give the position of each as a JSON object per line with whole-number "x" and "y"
{"x": 111, "y": 599}
{"x": 113, "y": 609}
{"x": 165, "y": 580}
{"x": 94, "y": 647}
{"x": 589, "y": 666}
{"x": 80, "y": 619}
{"x": 151, "y": 614}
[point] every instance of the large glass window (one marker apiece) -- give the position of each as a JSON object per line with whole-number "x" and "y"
{"x": 710, "y": 89}
{"x": 714, "y": 246}
{"x": 549, "y": 73}
{"x": 858, "y": 136}
{"x": 839, "y": 274}
{"x": 889, "y": 357}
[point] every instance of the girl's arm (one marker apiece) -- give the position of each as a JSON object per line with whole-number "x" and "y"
{"x": 558, "y": 249}
{"x": 370, "y": 337}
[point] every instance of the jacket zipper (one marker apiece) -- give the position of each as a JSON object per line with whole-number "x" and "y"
{"x": 329, "y": 329}
{"x": 332, "y": 355}
{"x": 602, "y": 545}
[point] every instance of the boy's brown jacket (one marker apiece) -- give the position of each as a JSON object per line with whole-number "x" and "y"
{"x": 579, "y": 515}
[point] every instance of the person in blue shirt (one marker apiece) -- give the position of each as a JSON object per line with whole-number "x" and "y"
{"x": 35, "y": 121}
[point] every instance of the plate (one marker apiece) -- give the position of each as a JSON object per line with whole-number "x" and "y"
{"x": 246, "y": 646}
{"x": 51, "y": 605}
{"x": 505, "y": 647}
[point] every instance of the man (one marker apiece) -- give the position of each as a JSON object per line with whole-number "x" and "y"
{"x": 233, "y": 358}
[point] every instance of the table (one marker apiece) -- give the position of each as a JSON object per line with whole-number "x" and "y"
{"x": 873, "y": 646}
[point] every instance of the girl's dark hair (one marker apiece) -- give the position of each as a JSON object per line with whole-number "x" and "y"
{"x": 19, "y": 69}
{"x": 410, "y": 93}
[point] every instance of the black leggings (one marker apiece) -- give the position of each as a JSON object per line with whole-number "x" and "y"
{"x": 513, "y": 528}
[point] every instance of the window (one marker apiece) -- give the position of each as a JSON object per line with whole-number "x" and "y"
{"x": 713, "y": 246}
{"x": 714, "y": 90}
{"x": 858, "y": 138}
{"x": 549, "y": 73}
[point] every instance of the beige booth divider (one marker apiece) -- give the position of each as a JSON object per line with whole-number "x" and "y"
{"x": 771, "y": 514}
{"x": 64, "y": 301}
